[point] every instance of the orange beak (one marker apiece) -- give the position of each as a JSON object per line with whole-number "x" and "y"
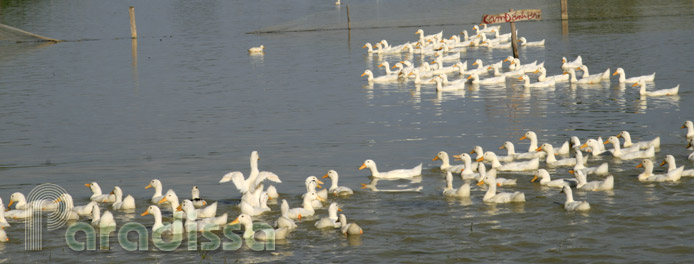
{"x": 89, "y": 185}
{"x": 523, "y": 137}
{"x": 380, "y": 65}
{"x": 480, "y": 159}
{"x": 146, "y": 187}
{"x": 606, "y": 142}
{"x": 236, "y": 221}
{"x": 362, "y": 75}
{"x": 480, "y": 183}
{"x": 325, "y": 176}
{"x": 179, "y": 208}
{"x": 584, "y": 145}
{"x": 162, "y": 200}
{"x": 435, "y": 158}
{"x": 364, "y": 46}
{"x": 537, "y": 71}
{"x": 639, "y": 166}
{"x": 534, "y": 179}
{"x": 469, "y": 77}
{"x": 474, "y": 64}
{"x": 615, "y": 73}
{"x": 362, "y": 166}
{"x": 502, "y": 147}
{"x": 663, "y": 163}
{"x": 520, "y": 78}
{"x": 145, "y": 213}
{"x": 635, "y": 84}
{"x": 363, "y": 185}
{"x": 572, "y": 172}
{"x": 339, "y": 209}
{"x": 539, "y": 148}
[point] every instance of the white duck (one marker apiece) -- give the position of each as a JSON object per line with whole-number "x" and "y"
{"x": 572, "y": 78}
{"x": 272, "y": 192}
{"x": 661, "y": 92}
{"x": 3, "y": 221}
{"x": 530, "y": 135}
{"x": 204, "y": 224}
{"x": 492, "y": 197}
{"x": 172, "y": 198}
{"x": 641, "y": 144}
{"x": 255, "y": 177}
{"x": 463, "y": 191}
{"x": 175, "y": 228}
{"x": 639, "y": 154}
{"x": 602, "y": 76}
{"x": 565, "y": 65}
{"x": 307, "y": 207}
{"x": 127, "y": 203}
{"x": 21, "y": 203}
{"x": 380, "y": 79}
{"x": 349, "y": 229}
{"x": 690, "y": 129}
{"x": 524, "y": 43}
{"x": 623, "y": 79}
{"x": 311, "y": 183}
{"x": 102, "y": 220}
{"x": 386, "y": 65}
{"x": 195, "y": 197}
{"x": 672, "y": 166}
{"x": 284, "y": 220}
{"x": 543, "y": 76}
{"x": 97, "y": 195}
{"x": 393, "y": 174}
{"x": 552, "y": 160}
{"x": 544, "y": 84}
{"x": 603, "y": 169}
{"x": 469, "y": 169}
{"x": 648, "y": 176}
{"x": 448, "y": 88}
{"x": 258, "y": 49}
{"x": 598, "y": 149}
{"x": 335, "y": 189}
{"x": 3, "y": 236}
{"x": 26, "y": 213}
{"x": 532, "y": 164}
{"x": 331, "y": 221}
{"x": 156, "y": 184}
{"x": 593, "y": 186}
{"x": 546, "y": 180}
{"x": 68, "y": 211}
{"x": 511, "y": 151}
{"x": 482, "y": 169}
{"x": 82, "y": 210}
{"x": 570, "y": 205}
{"x": 418, "y": 77}
{"x": 261, "y": 235}
{"x": 492, "y": 80}
{"x": 251, "y": 210}
{"x": 445, "y": 163}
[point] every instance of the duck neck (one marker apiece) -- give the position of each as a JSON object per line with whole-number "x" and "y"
{"x": 671, "y": 165}
{"x": 491, "y": 190}
{"x": 627, "y": 140}
{"x": 157, "y": 190}
{"x": 510, "y": 149}
{"x": 248, "y": 233}
{"x": 569, "y": 195}
{"x": 622, "y": 78}
{"x": 533, "y": 143}
{"x": 449, "y": 181}
{"x": 333, "y": 184}
{"x": 332, "y": 214}
{"x": 374, "y": 170}
{"x": 550, "y": 155}
{"x": 642, "y": 90}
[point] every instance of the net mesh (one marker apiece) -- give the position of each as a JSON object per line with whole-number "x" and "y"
{"x": 12, "y": 34}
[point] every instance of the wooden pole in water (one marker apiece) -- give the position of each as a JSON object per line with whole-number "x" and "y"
{"x": 349, "y": 24}
{"x": 514, "y": 39}
{"x": 564, "y": 10}
{"x": 133, "y": 28}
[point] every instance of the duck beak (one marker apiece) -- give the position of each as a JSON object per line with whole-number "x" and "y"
{"x": 362, "y": 166}
{"x": 474, "y": 64}
{"x": 236, "y": 221}
{"x": 363, "y": 185}
{"x": 539, "y": 148}
{"x": 362, "y": 75}
{"x": 565, "y": 73}
{"x": 639, "y": 166}
{"x": 480, "y": 183}
{"x": 635, "y": 84}
{"x": 615, "y": 73}
{"x": 364, "y": 46}
{"x": 10, "y": 205}
{"x": 89, "y": 185}
{"x": 663, "y": 163}
{"x": 145, "y": 213}
{"x": 534, "y": 179}
{"x": 480, "y": 159}
{"x": 536, "y": 71}
{"x": 506, "y": 59}
{"x": 339, "y": 209}
{"x": 111, "y": 192}
{"x": 179, "y": 208}
{"x": 56, "y": 200}
{"x": 148, "y": 186}
{"x": 318, "y": 186}
{"x": 584, "y": 145}
{"x": 572, "y": 172}
{"x": 456, "y": 157}
{"x": 162, "y": 200}
{"x": 380, "y": 65}
{"x": 520, "y": 78}
{"x": 502, "y": 147}
{"x": 683, "y": 126}
{"x": 606, "y": 142}
{"x": 320, "y": 199}
{"x": 325, "y": 176}
{"x": 435, "y": 158}
{"x": 469, "y": 77}
{"x": 523, "y": 137}
{"x": 578, "y": 68}
{"x": 205, "y": 202}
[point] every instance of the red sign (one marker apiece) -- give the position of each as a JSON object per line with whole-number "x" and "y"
{"x": 517, "y": 15}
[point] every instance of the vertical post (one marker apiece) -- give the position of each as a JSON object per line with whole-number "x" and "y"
{"x": 564, "y": 10}
{"x": 133, "y": 28}
{"x": 514, "y": 38}
{"x": 349, "y": 24}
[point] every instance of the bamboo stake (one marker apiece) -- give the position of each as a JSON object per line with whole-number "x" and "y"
{"x": 514, "y": 38}
{"x": 133, "y": 28}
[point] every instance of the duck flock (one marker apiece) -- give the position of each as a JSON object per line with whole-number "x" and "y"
{"x": 582, "y": 158}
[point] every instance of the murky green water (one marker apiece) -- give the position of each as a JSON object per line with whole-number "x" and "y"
{"x": 193, "y": 105}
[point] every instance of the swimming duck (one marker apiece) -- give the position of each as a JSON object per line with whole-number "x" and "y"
{"x": 648, "y": 176}
{"x": 306, "y": 209}
{"x": 156, "y": 184}
{"x": 641, "y": 144}
{"x": 524, "y": 43}
{"x": 672, "y": 166}
{"x": 603, "y": 169}
{"x": 552, "y": 160}
{"x": 97, "y": 195}
{"x": 545, "y": 180}
{"x": 639, "y": 154}
{"x": 261, "y": 235}
{"x": 175, "y": 228}
{"x": 543, "y": 76}
{"x": 469, "y": 168}
{"x": 482, "y": 169}
{"x": 526, "y": 82}
{"x": 349, "y": 229}
{"x": 594, "y": 186}
{"x": 570, "y": 205}
{"x": 504, "y": 197}
{"x": 532, "y": 164}
{"x": 102, "y": 220}
{"x": 623, "y": 79}
{"x": 331, "y": 221}
{"x": 127, "y": 203}
{"x": 195, "y": 197}
{"x": 284, "y": 220}
{"x": 393, "y": 174}
{"x": 565, "y": 65}
{"x": 462, "y": 191}
{"x": 661, "y": 92}
{"x": 334, "y": 188}
{"x": 255, "y": 177}
{"x": 200, "y": 225}
{"x": 258, "y": 49}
